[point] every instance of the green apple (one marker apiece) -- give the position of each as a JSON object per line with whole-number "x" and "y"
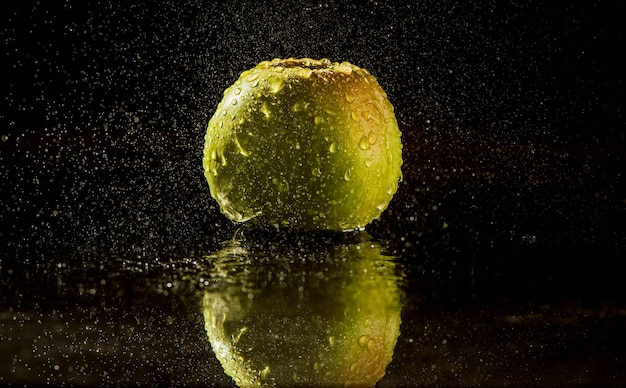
{"x": 304, "y": 143}
{"x": 329, "y": 317}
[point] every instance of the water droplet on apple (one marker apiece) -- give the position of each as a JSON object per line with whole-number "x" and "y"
{"x": 354, "y": 116}
{"x": 348, "y": 174}
{"x": 364, "y": 143}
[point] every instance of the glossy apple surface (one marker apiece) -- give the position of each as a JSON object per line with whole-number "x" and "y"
{"x": 304, "y": 143}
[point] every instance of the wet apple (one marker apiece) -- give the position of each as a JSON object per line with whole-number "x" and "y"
{"x": 304, "y": 143}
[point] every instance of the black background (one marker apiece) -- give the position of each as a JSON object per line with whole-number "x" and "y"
{"x": 511, "y": 113}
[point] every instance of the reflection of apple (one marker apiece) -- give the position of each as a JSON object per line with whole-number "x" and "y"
{"x": 304, "y": 143}
{"x": 293, "y": 315}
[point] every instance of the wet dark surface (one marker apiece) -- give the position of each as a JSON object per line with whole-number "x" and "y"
{"x": 506, "y": 236}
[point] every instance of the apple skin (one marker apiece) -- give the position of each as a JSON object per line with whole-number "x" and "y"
{"x": 304, "y": 143}
{"x": 329, "y": 317}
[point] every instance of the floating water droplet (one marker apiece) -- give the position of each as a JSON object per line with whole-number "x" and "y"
{"x": 332, "y": 148}
{"x": 316, "y": 172}
{"x": 364, "y": 143}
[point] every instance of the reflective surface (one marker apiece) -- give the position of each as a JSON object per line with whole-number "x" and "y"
{"x": 498, "y": 261}
{"x": 309, "y": 312}
{"x": 280, "y": 308}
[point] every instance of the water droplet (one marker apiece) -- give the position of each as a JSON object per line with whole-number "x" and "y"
{"x": 349, "y": 97}
{"x": 234, "y": 101}
{"x": 364, "y": 143}
{"x": 237, "y": 91}
{"x": 332, "y": 148}
{"x": 265, "y": 110}
{"x": 306, "y": 73}
{"x": 368, "y": 162}
{"x": 331, "y": 340}
{"x": 372, "y": 138}
{"x": 281, "y": 184}
{"x": 354, "y": 116}
{"x": 348, "y": 174}
{"x": 317, "y": 172}
{"x": 220, "y": 124}
{"x": 253, "y": 76}
{"x": 363, "y": 341}
{"x": 371, "y": 343}
{"x": 344, "y": 68}
{"x": 265, "y": 373}
{"x": 276, "y": 84}
{"x": 318, "y": 120}
{"x": 4, "y": 137}
{"x": 242, "y": 151}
